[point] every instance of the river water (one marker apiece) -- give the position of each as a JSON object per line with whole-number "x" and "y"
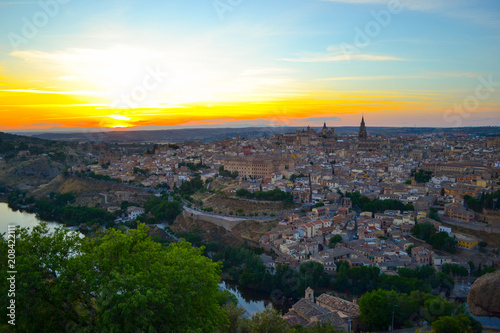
{"x": 22, "y": 219}
{"x": 251, "y": 302}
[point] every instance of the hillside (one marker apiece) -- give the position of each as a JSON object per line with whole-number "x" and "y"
{"x": 92, "y": 193}
{"x": 25, "y": 173}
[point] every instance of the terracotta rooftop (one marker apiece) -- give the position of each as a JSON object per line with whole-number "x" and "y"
{"x": 307, "y": 309}
{"x": 339, "y": 304}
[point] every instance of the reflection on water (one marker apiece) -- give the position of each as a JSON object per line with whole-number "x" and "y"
{"x": 251, "y": 303}
{"x": 22, "y": 219}
{"x": 253, "y": 300}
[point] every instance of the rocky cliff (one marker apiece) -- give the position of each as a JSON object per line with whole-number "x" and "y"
{"x": 484, "y": 296}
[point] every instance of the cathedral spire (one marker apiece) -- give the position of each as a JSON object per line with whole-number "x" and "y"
{"x": 362, "y": 129}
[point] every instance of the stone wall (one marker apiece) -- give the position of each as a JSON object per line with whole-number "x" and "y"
{"x": 226, "y": 223}
{"x": 477, "y": 227}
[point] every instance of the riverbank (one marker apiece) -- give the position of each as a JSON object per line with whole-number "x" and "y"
{"x": 22, "y": 219}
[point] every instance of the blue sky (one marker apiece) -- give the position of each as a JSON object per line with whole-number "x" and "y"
{"x": 300, "y": 57}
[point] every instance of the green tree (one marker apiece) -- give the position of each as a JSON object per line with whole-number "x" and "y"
{"x": 375, "y": 312}
{"x": 42, "y": 304}
{"x": 334, "y": 240}
{"x": 236, "y": 315}
{"x": 424, "y": 231}
{"x": 458, "y": 324}
{"x": 268, "y": 321}
{"x": 312, "y": 274}
{"x": 447, "y": 324}
{"x": 163, "y": 209}
{"x": 437, "y": 307}
{"x": 421, "y": 176}
{"x": 102, "y": 284}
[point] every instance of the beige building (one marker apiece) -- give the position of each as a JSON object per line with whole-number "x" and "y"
{"x": 457, "y": 212}
{"x": 257, "y": 166}
{"x": 421, "y": 255}
{"x": 493, "y": 142}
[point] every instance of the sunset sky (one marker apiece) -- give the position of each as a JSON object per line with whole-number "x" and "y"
{"x": 231, "y": 63}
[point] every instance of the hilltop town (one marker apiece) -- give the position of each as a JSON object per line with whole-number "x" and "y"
{"x": 368, "y": 190}
{"x": 387, "y": 202}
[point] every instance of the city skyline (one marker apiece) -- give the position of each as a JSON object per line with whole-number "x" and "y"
{"x": 65, "y": 64}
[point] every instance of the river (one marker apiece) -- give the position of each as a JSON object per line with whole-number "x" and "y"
{"x": 252, "y": 303}
{"x": 255, "y": 301}
{"x": 22, "y": 219}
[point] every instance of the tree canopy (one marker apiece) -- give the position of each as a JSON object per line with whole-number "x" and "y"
{"x": 376, "y": 205}
{"x": 421, "y": 176}
{"x": 380, "y": 307}
{"x": 115, "y": 282}
{"x": 439, "y": 240}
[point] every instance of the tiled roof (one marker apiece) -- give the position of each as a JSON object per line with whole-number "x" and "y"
{"x": 331, "y": 318}
{"x": 293, "y": 318}
{"x": 339, "y": 304}
{"x": 307, "y": 309}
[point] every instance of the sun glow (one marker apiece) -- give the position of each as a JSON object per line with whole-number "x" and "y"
{"x": 118, "y": 117}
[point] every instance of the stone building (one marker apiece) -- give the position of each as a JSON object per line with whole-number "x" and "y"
{"x": 308, "y": 137}
{"x": 341, "y": 314}
{"x": 257, "y": 166}
{"x": 363, "y": 135}
{"x": 421, "y": 255}
{"x": 458, "y": 213}
{"x": 326, "y": 132}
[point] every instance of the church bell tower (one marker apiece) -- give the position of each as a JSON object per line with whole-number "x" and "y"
{"x": 362, "y": 130}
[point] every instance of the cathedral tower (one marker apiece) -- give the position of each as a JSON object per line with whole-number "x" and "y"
{"x": 362, "y": 130}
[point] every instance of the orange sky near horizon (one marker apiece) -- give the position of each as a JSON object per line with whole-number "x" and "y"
{"x": 38, "y": 106}
{"x": 265, "y": 63}
{"x": 25, "y": 109}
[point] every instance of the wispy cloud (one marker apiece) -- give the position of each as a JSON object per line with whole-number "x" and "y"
{"x": 422, "y": 5}
{"x": 369, "y": 78}
{"x": 432, "y": 75}
{"x": 35, "y": 91}
{"x": 480, "y": 17}
{"x": 450, "y": 8}
{"x": 469, "y": 75}
{"x": 342, "y": 57}
{"x": 14, "y": 3}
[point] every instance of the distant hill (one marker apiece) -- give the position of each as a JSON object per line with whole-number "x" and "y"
{"x": 213, "y": 134}
{"x": 29, "y": 161}
{"x": 17, "y": 139}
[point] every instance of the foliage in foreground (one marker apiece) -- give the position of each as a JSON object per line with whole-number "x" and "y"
{"x": 113, "y": 283}
{"x": 380, "y": 307}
